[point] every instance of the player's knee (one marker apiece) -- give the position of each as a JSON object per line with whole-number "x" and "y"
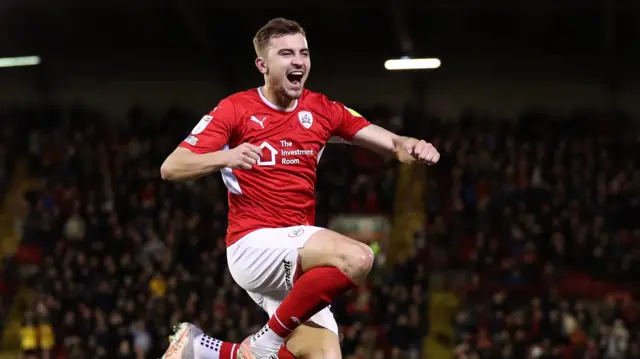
{"x": 313, "y": 342}
{"x": 319, "y": 354}
{"x": 359, "y": 260}
{"x": 327, "y": 248}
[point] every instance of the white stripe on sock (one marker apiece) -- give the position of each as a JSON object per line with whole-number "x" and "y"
{"x": 276, "y": 316}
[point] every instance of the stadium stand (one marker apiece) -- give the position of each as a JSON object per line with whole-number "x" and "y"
{"x": 535, "y": 219}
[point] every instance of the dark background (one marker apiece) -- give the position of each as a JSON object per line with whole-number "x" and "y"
{"x": 523, "y": 242}
{"x": 495, "y": 54}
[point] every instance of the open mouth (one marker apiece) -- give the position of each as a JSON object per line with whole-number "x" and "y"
{"x": 295, "y": 77}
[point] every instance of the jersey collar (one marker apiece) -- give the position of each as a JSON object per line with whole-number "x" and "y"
{"x": 274, "y": 106}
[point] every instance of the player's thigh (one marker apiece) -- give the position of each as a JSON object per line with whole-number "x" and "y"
{"x": 310, "y": 341}
{"x": 328, "y": 248}
{"x": 266, "y": 260}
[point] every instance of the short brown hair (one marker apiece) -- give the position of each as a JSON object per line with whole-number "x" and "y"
{"x": 275, "y": 28}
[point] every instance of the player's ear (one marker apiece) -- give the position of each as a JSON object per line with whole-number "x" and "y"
{"x": 261, "y": 64}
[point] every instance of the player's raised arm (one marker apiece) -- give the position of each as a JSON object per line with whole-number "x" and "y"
{"x": 405, "y": 149}
{"x": 203, "y": 151}
{"x": 351, "y": 126}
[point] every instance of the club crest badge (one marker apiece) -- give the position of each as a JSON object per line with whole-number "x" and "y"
{"x": 306, "y": 118}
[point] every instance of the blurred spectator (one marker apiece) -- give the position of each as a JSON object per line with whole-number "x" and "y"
{"x": 141, "y": 339}
{"x": 47, "y": 339}
{"x": 124, "y": 352}
{"x": 29, "y": 337}
{"x": 616, "y": 340}
{"x": 74, "y": 229}
{"x": 158, "y": 286}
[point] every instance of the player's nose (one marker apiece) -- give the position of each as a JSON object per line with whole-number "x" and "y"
{"x": 297, "y": 62}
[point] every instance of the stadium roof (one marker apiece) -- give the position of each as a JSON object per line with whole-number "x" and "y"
{"x": 225, "y": 28}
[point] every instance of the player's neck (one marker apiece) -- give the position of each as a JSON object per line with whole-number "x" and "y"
{"x": 276, "y": 98}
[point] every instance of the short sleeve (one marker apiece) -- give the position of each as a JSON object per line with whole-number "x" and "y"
{"x": 213, "y": 131}
{"x": 346, "y": 122}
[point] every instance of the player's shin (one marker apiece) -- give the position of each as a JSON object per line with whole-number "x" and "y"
{"x": 312, "y": 292}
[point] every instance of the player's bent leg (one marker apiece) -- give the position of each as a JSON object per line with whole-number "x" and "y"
{"x": 327, "y": 248}
{"x": 330, "y": 265}
{"x": 310, "y": 341}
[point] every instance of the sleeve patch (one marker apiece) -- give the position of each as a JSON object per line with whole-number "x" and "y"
{"x": 353, "y": 112}
{"x": 204, "y": 122}
{"x": 192, "y": 140}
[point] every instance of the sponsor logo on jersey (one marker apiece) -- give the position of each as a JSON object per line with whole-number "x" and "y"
{"x": 204, "y": 122}
{"x": 192, "y": 140}
{"x": 259, "y": 122}
{"x": 306, "y": 118}
{"x": 296, "y": 232}
{"x": 271, "y": 159}
{"x": 288, "y": 282}
{"x": 288, "y": 155}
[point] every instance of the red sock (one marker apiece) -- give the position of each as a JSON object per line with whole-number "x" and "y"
{"x": 312, "y": 292}
{"x": 284, "y": 353}
{"x": 229, "y": 350}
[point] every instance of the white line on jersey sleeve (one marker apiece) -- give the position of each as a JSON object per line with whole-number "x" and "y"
{"x": 229, "y": 178}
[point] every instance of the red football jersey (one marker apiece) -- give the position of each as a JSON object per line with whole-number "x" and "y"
{"x": 279, "y": 190}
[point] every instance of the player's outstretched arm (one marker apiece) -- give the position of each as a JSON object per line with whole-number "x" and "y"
{"x": 184, "y": 165}
{"x": 404, "y": 149}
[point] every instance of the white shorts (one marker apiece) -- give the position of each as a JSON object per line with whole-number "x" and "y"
{"x": 264, "y": 263}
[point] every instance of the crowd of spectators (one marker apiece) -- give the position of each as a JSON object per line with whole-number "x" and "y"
{"x": 549, "y": 326}
{"x": 542, "y": 216}
{"x": 9, "y": 146}
{"x": 125, "y": 255}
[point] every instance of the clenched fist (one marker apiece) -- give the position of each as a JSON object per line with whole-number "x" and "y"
{"x": 243, "y": 157}
{"x": 421, "y": 151}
